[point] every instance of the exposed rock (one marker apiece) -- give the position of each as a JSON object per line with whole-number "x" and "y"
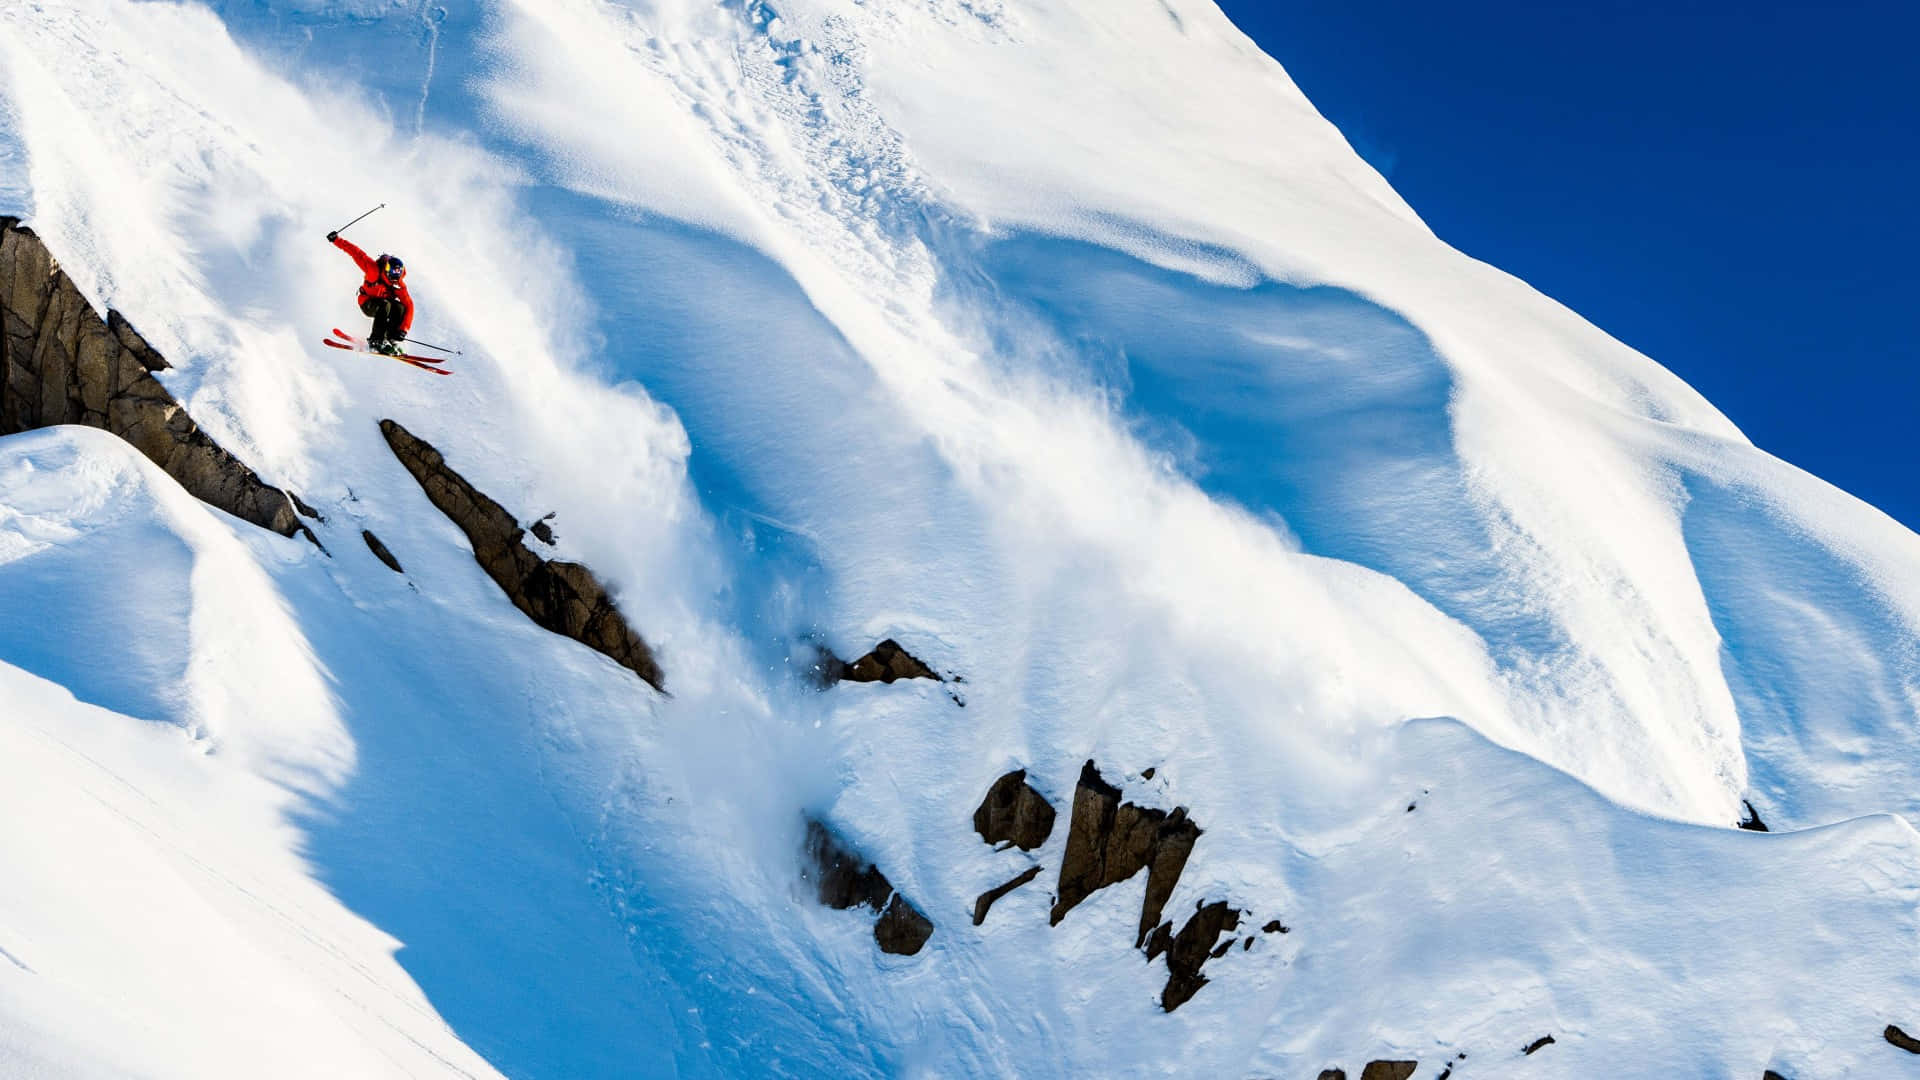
{"x": 1146, "y": 773}
{"x": 60, "y": 363}
{"x": 380, "y": 551}
{"x": 543, "y": 531}
{"x": 887, "y": 663}
{"x": 844, "y": 880}
{"x": 1333, "y": 1074}
{"x": 1751, "y": 820}
{"x": 563, "y": 597}
{"x": 988, "y": 898}
{"x": 1274, "y": 927}
{"x": 1901, "y": 1039}
{"x": 1544, "y": 1040}
{"x": 1191, "y": 948}
{"x": 306, "y": 511}
{"x": 1109, "y": 841}
{"x": 1771, "y": 1075}
{"x": 1014, "y": 812}
{"x": 1389, "y": 1070}
{"x": 902, "y": 929}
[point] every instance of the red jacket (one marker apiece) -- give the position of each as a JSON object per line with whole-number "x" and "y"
{"x": 376, "y": 286}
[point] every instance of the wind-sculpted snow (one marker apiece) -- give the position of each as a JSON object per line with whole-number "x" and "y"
{"x": 1061, "y": 343}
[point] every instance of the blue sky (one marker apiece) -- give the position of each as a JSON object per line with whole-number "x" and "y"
{"x": 1729, "y": 187}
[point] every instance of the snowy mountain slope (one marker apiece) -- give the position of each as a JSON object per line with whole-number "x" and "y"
{"x": 157, "y": 917}
{"x": 1071, "y": 347}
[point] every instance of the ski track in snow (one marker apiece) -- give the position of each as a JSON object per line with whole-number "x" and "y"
{"x": 793, "y": 353}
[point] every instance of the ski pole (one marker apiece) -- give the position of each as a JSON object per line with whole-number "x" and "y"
{"x": 431, "y": 345}
{"x": 358, "y": 220}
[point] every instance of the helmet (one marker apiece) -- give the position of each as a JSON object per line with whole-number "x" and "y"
{"x": 392, "y": 268}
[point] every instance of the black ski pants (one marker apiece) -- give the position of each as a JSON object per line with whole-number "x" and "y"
{"x": 386, "y": 313}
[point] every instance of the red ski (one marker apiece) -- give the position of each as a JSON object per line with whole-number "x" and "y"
{"x": 354, "y": 344}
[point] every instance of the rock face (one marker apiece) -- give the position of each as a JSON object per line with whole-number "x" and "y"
{"x": 380, "y": 551}
{"x": 1536, "y": 1045}
{"x": 1013, "y": 812}
{"x": 987, "y": 899}
{"x": 1901, "y": 1039}
{"x": 844, "y": 880}
{"x": 1751, "y": 819}
{"x": 563, "y": 597}
{"x": 1389, "y": 1070}
{"x": 1191, "y": 948}
{"x": 60, "y": 363}
{"x": 1109, "y": 841}
{"x": 902, "y": 929}
{"x": 887, "y": 663}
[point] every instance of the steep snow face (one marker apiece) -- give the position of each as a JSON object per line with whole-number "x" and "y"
{"x": 156, "y": 918}
{"x": 1063, "y": 342}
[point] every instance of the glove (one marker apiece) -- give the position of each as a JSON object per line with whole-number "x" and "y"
{"x": 332, "y": 236}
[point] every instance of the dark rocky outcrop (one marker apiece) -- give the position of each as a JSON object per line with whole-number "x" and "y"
{"x": 542, "y": 530}
{"x": 563, "y": 597}
{"x": 60, "y": 363}
{"x": 380, "y": 551}
{"x": 887, "y": 663}
{"x": 1274, "y": 926}
{"x": 1192, "y": 947}
{"x": 1901, "y": 1039}
{"x": 1771, "y": 1075}
{"x": 1751, "y": 819}
{"x": 1109, "y": 841}
{"x": 1389, "y": 1070}
{"x": 988, "y": 898}
{"x": 1333, "y": 1074}
{"x": 844, "y": 880}
{"x": 902, "y": 929}
{"x": 1013, "y": 812}
{"x": 1535, "y": 1045}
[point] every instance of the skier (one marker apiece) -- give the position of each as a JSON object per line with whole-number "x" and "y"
{"x": 383, "y": 296}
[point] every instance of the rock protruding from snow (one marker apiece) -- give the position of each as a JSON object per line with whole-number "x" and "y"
{"x": 987, "y": 899}
{"x": 1109, "y": 841}
{"x": 1379, "y": 1070}
{"x": 902, "y": 930}
{"x": 888, "y": 662}
{"x": 844, "y": 880}
{"x": 60, "y": 363}
{"x": 563, "y": 597}
{"x": 1013, "y": 812}
{"x": 1189, "y": 950}
{"x": 1901, "y": 1039}
{"x": 1750, "y": 820}
{"x": 380, "y": 551}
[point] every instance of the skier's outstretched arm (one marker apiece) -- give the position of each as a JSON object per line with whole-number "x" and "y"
{"x": 360, "y": 258}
